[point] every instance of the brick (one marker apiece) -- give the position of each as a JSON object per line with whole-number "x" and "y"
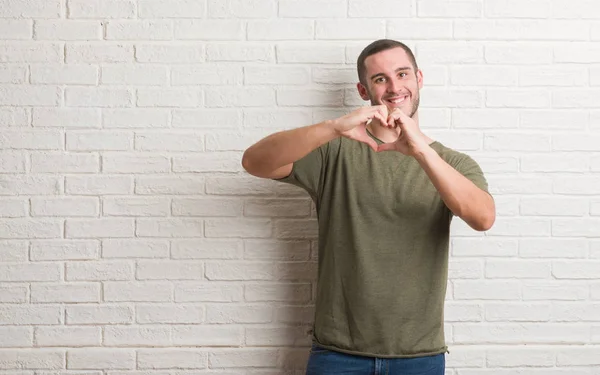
{"x": 169, "y": 314}
{"x": 206, "y": 249}
{"x": 29, "y": 314}
{"x": 94, "y": 185}
{"x": 171, "y": 359}
{"x": 484, "y": 76}
{"x": 134, "y": 75}
{"x": 553, "y": 119}
{"x": 68, "y": 336}
{"x": 312, "y": 8}
{"x": 39, "y": 359}
{"x": 234, "y": 313}
{"x": 134, "y": 249}
{"x": 307, "y": 53}
{"x": 30, "y": 228}
{"x": 91, "y": 228}
{"x": 296, "y": 228}
{"x": 99, "y": 141}
{"x": 463, "y": 312}
{"x": 14, "y": 251}
{"x": 100, "y": 358}
{"x": 553, "y": 207}
{"x": 232, "y": 52}
{"x": 67, "y": 30}
{"x": 521, "y": 98}
{"x": 209, "y": 162}
{"x": 248, "y": 186}
{"x": 548, "y": 290}
{"x": 147, "y": 291}
{"x": 486, "y": 290}
{"x": 98, "y": 53}
{"x": 524, "y": 185}
{"x": 577, "y": 52}
{"x": 14, "y": 208}
{"x": 179, "y": 142}
{"x": 177, "y": 185}
{"x": 561, "y": 76}
{"x": 382, "y": 9}
{"x": 64, "y": 250}
{"x": 242, "y": 8}
{"x": 11, "y": 337}
{"x": 133, "y": 163}
{"x": 517, "y": 312}
{"x": 459, "y": 98}
{"x": 30, "y": 95}
{"x": 517, "y": 29}
{"x": 65, "y": 293}
{"x": 302, "y": 271}
{"x": 169, "y": 227}
{"x": 554, "y": 163}
{"x": 248, "y": 97}
{"x": 156, "y": 9}
{"x": 64, "y": 163}
{"x": 99, "y": 271}
{"x": 234, "y": 271}
{"x": 277, "y": 207}
{"x": 208, "y": 292}
{"x": 82, "y": 206}
{"x": 517, "y": 142}
{"x": 578, "y": 185}
{"x": 208, "y": 74}
{"x": 295, "y": 314}
{"x": 455, "y": 52}
{"x": 575, "y": 269}
{"x": 231, "y": 141}
{"x": 16, "y": 29}
{"x": 135, "y": 118}
{"x": 30, "y": 9}
{"x": 243, "y": 357}
{"x": 246, "y": 228}
{"x": 329, "y": 75}
{"x": 173, "y": 98}
{"x": 14, "y": 117}
{"x": 32, "y": 185}
{"x": 281, "y": 29}
{"x": 275, "y": 119}
{"x": 465, "y": 269}
{"x": 521, "y": 227}
{"x": 532, "y": 333}
{"x": 577, "y": 98}
{"x": 207, "y": 119}
{"x": 12, "y": 74}
{"x": 170, "y": 53}
{"x": 575, "y": 312}
{"x": 13, "y": 162}
{"x": 555, "y": 248}
{"x": 66, "y": 117}
{"x": 521, "y": 54}
{"x": 349, "y": 29}
{"x": 449, "y": 9}
{"x": 98, "y": 97}
{"x": 30, "y": 52}
{"x": 315, "y": 98}
{"x": 98, "y": 314}
{"x": 31, "y": 140}
{"x": 137, "y": 336}
{"x": 135, "y": 206}
{"x": 484, "y": 118}
{"x": 30, "y": 272}
{"x": 407, "y": 28}
{"x": 101, "y": 9}
{"x": 520, "y": 356}
{"x": 578, "y": 356}
{"x": 206, "y": 207}
{"x": 195, "y": 335}
{"x": 169, "y": 270}
{"x": 578, "y": 9}
{"x": 144, "y": 30}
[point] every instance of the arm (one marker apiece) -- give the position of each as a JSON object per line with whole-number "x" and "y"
{"x": 273, "y": 156}
{"x": 467, "y": 201}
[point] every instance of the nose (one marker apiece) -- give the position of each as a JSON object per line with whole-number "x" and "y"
{"x": 393, "y": 85}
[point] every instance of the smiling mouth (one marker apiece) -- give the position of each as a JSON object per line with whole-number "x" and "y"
{"x": 397, "y": 100}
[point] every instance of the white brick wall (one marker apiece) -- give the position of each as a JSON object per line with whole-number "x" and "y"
{"x": 132, "y": 242}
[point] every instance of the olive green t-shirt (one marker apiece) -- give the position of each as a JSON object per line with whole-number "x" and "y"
{"x": 383, "y": 248}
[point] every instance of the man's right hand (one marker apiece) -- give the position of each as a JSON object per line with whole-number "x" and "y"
{"x": 354, "y": 124}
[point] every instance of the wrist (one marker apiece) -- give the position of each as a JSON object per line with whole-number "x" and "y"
{"x": 424, "y": 153}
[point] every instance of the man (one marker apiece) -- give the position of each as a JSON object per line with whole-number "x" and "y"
{"x": 385, "y": 195}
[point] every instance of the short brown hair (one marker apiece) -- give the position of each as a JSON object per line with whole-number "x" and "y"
{"x": 378, "y": 46}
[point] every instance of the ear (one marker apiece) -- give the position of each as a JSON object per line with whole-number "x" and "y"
{"x": 420, "y": 78}
{"x": 362, "y": 91}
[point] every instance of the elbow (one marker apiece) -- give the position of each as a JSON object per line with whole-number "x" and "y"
{"x": 485, "y": 223}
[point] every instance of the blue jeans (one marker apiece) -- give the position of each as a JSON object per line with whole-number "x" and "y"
{"x": 327, "y": 362}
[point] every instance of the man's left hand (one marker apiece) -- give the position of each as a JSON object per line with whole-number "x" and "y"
{"x": 411, "y": 141}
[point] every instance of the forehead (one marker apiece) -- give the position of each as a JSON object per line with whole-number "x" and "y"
{"x": 387, "y": 60}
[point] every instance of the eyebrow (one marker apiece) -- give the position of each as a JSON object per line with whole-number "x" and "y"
{"x": 396, "y": 71}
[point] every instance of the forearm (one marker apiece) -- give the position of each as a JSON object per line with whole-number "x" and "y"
{"x": 285, "y": 147}
{"x": 475, "y": 206}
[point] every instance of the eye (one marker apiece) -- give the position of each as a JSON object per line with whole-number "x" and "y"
{"x": 402, "y": 74}
{"x": 379, "y": 80}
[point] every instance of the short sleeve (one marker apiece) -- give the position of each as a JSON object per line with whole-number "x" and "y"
{"x": 307, "y": 172}
{"x": 471, "y": 170}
